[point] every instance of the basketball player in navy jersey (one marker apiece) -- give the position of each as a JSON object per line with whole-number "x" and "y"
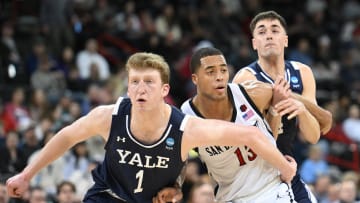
{"x": 147, "y": 140}
{"x": 269, "y": 40}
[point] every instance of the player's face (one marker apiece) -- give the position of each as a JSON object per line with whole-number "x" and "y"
{"x": 145, "y": 88}
{"x": 270, "y": 38}
{"x": 212, "y": 77}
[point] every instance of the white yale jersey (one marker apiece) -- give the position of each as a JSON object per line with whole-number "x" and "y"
{"x": 239, "y": 172}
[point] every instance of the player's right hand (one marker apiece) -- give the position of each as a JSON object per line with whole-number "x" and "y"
{"x": 17, "y": 185}
{"x": 281, "y": 90}
{"x": 288, "y": 175}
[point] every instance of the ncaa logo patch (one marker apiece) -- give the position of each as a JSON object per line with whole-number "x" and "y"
{"x": 170, "y": 143}
{"x": 294, "y": 79}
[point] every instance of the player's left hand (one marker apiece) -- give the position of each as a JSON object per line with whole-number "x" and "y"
{"x": 168, "y": 194}
{"x": 289, "y": 175}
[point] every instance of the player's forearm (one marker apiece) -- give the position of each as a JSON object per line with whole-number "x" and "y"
{"x": 56, "y": 147}
{"x": 309, "y": 127}
{"x": 268, "y": 151}
{"x": 274, "y": 123}
{"x": 323, "y": 116}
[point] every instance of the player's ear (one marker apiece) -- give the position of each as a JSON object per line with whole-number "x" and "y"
{"x": 194, "y": 78}
{"x": 165, "y": 90}
{"x": 286, "y": 41}
{"x": 253, "y": 43}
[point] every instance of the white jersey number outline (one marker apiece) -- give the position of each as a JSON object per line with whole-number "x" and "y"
{"x": 140, "y": 176}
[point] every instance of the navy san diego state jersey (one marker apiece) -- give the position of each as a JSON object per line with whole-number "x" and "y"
{"x": 133, "y": 171}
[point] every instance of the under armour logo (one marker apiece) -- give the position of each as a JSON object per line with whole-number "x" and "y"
{"x": 120, "y": 138}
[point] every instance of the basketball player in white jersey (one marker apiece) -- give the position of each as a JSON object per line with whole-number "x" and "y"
{"x": 241, "y": 175}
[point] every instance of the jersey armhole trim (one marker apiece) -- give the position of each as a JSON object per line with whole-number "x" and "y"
{"x": 116, "y": 108}
{"x": 184, "y": 122}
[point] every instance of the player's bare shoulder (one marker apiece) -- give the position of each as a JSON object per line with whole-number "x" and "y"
{"x": 259, "y": 92}
{"x": 305, "y": 70}
{"x": 243, "y": 75}
{"x": 101, "y": 118}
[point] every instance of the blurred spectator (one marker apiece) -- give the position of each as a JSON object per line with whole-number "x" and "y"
{"x": 66, "y": 64}
{"x": 128, "y": 23}
{"x": 10, "y": 63}
{"x": 349, "y": 71}
{"x": 50, "y": 176}
{"x": 51, "y": 82}
{"x": 192, "y": 175}
{"x": 167, "y": 26}
{"x": 314, "y": 165}
{"x": 77, "y": 161}
{"x": 66, "y": 111}
{"x": 15, "y": 115}
{"x": 29, "y": 143}
{"x": 83, "y": 180}
{"x": 332, "y": 195}
{"x": 202, "y": 192}
{"x": 37, "y": 195}
{"x": 351, "y": 125}
{"x": 38, "y": 52}
{"x": 55, "y": 20}
{"x": 65, "y": 192}
{"x": 301, "y": 52}
{"x": 321, "y": 186}
{"x": 12, "y": 157}
{"x": 90, "y": 57}
{"x": 39, "y": 105}
{"x": 117, "y": 83}
{"x": 348, "y": 190}
{"x": 4, "y": 198}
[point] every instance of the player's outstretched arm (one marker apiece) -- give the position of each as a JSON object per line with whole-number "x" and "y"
{"x": 67, "y": 137}
{"x": 206, "y": 132}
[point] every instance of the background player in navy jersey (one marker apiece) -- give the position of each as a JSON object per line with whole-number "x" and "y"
{"x": 269, "y": 40}
{"x": 239, "y": 173}
{"x": 147, "y": 140}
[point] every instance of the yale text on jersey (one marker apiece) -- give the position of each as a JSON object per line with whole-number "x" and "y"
{"x": 145, "y": 161}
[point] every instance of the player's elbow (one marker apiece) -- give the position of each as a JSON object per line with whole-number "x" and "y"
{"x": 329, "y": 117}
{"x": 253, "y": 137}
{"x": 314, "y": 138}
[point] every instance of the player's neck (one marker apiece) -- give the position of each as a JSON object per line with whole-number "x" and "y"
{"x": 214, "y": 109}
{"x": 273, "y": 67}
{"x": 149, "y": 126}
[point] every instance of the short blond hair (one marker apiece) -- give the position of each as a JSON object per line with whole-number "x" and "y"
{"x": 144, "y": 60}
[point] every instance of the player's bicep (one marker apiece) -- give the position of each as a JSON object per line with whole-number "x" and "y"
{"x": 309, "y": 84}
{"x": 96, "y": 122}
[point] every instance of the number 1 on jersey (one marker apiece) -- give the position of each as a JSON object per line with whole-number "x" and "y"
{"x": 139, "y": 176}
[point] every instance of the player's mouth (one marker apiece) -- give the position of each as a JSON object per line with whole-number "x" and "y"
{"x": 141, "y": 100}
{"x": 269, "y": 45}
{"x": 220, "y": 88}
